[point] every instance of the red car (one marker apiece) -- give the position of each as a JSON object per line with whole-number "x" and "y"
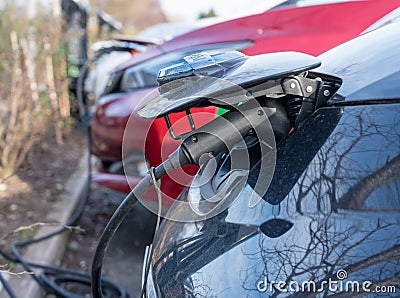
{"x": 308, "y": 29}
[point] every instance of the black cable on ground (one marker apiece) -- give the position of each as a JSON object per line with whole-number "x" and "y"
{"x": 60, "y": 275}
{"x": 7, "y": 287}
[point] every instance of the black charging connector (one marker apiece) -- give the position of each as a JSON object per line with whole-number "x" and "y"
{"x": 221, "y": 134}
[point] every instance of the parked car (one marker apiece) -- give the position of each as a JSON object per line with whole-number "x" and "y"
{"x": 329, "y": 223}
{"x": 108, "y": 54}
{"x": 284, "y": 28}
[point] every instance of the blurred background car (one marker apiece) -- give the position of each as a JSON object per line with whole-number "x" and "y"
{"x": 292, "y": 25}
{"x": 108, "y": 54}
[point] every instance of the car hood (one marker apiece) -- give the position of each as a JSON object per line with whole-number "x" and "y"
{"x": 366, "y": 65}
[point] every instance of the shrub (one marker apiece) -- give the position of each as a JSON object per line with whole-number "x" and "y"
{"x": 34, "y": 100}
